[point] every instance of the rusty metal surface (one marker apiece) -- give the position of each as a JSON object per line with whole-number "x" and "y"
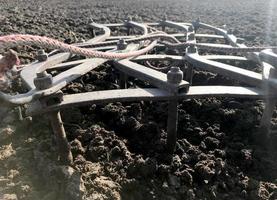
{"x": 186, "y": 56}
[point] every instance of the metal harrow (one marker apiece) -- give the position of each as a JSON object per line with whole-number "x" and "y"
{"x": 44, "y": 94}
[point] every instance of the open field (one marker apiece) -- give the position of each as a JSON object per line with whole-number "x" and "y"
{"x": 118, "y": 148}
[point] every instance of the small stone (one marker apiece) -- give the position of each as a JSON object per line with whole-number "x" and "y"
{"x": 13, "y": 173}
{"x": 6, "y": 133}
{"x": 9, "y": 197}
{"x": 211, "y": 143}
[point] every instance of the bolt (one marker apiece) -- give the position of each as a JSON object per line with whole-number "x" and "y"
{"x": 43, "y": 80}
{"x": 174, "y": 75}
{"x": 42, "y": 56}
{"x": 121, "y": 44}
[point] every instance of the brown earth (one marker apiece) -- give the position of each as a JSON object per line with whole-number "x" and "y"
{"x": 119, "y": 149}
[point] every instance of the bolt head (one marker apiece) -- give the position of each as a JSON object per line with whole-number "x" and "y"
{"x": 121, "y": 45}
{"x": 42, "y": 56}
{"x": 43, "y": 81}
{"x": 175, "y": 75}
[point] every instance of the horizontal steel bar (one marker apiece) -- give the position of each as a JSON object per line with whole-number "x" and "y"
{"x": 122, "y": 24}
{"x": 152, "y": 76}
{"x": 214, "y": 45}
{"x": 114, "y": 25}
{"x": 209, "y": 36}
{"x": 177, "y": 35}
{"x": 140, "y": 94}
{"x": 236, "y": 73}
{"x": 224, "y": 57}
{"x": 175, "y": 25}
{"x": 158, "y": 57}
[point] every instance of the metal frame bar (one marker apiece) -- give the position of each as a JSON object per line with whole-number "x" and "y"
{"x": 43, "y": 88}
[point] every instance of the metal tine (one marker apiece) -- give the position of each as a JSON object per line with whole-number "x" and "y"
{"x": 269, "y": 75}
{"x": 100, "y": 38}
{"x": 139, "y": 26}
{"x": 158, "y": 57}
{"x": 139, "y": 58}
{"x": 174, "y": 25}
{"x": 236, "y": 73}
{"x": 29, "y": 72}
{"x": 232, "y": 39}
{"x": 215, "y": 45}
{"x": 209, "y": 36}
{"x": 224, "y": 58}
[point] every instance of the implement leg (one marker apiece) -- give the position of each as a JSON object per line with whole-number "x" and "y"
{"x": 267, "y": 114}
{"x": 63, "y": 145}
{"x": 172, "y": 122}
{"x": 189, "y": 73}
{"x": 123, "y": 80}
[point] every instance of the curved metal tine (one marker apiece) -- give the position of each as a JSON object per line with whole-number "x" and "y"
{"x": 143, "y": 57}
{"x": 232, "y": 39}
{"x": 177, "y": 35}
{"x": 59, "y": 81}
{"x": 146, "y": 94}
{"x": 269, "y": 86}
{"x": 236, "y": 73}
{"x": 62, "y": 79}
{"x": 29, "y": 72}
{"x": 139, "y": 26}
{"x": 113, "y": 25}
{"x": 174, "y": 25}
{"x": 99, "y": 38}
{"x": 209, "y": 36}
